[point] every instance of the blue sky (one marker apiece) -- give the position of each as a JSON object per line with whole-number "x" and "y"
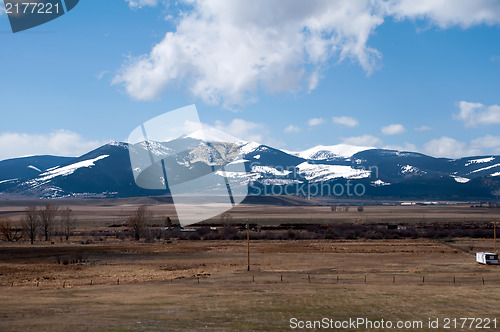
{"x": 396, "y": 74}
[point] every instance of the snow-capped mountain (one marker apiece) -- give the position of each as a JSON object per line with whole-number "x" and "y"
{"x": 107, "y": 171}
{"x": 322, "y": 152}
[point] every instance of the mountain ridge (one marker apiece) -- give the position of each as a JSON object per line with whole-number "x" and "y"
{"x": 106, "y": 173}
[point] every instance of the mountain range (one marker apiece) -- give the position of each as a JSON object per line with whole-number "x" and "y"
{"x": 333, "y": 171}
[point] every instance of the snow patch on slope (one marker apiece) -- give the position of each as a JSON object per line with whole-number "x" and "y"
{"x": 408, "y": 169}
{"x": 64, "y": 171}
{"x": 322, "y": 152}
{"x": 321, "y": 172}
{"x": 480, "y": 161}
{"x": 5, "y": 181}
{"x": 270, "y": 170}
{"x": 485, "y": 168}
{"x": 379, "y": 183}
{"x": 460, "y": 179}
{"x": 35, "y": 168}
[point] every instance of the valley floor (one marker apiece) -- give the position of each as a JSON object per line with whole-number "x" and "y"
{"x": 205, "y": 285}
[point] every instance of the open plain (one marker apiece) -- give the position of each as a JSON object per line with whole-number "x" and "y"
{"x": 107, "y": 283}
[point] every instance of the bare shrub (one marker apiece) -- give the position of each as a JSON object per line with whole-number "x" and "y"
{"x": 8, "y": 232}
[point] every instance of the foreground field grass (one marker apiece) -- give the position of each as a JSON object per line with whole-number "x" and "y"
{"x": 204, "y": 285}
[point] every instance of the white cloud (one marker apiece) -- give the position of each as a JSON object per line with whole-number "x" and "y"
{"x": 393, "y": 129}
{"x": 101, "y": 75}
{"x": 345, "y": 121}
{"x": 292, "y": 129}
{"x": 423, "y": 128}
{"x": 446, "y": 13}
{"x": 245, "y": 130}
{"x": 474, "y": 114}
{"x": 142, "y": 3}
{"x": 60, "y": 142}
{"x": 449, "y": 148}
{"x": 225, "y": 52}
{"x": 315, "y": 121}
{"x": 364, "y": 140}
{"x": 486, "y": 144}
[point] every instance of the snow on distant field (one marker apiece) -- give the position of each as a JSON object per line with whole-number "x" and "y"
{"x": 495, "y": 174}
{"x": 321, "y": 172}
{"x": 35, "y": 168}
{"x": 460, "y": 179}
{"x": 64, "y": 171}
{"x": 484, "y": 168}
{"x": 322, "y": 152}
{"x": 480, "y": 161}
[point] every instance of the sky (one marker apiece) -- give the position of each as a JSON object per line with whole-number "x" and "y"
{"x": 400, "y": 74}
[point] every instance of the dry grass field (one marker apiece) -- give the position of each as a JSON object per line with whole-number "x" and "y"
{"x": 205, "y": 285}
{"x": 114, "y": 284}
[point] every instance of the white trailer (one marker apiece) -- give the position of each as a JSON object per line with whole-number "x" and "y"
{"x": 489, "y": 258}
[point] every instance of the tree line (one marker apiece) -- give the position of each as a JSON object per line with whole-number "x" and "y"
{"x": 40, "y": 223}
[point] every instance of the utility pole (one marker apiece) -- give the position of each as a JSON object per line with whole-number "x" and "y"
{"x": 248, "y": 246}
{"x": 495, "y": 235}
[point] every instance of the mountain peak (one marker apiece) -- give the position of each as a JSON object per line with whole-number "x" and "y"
{"x": 321, "y": 152}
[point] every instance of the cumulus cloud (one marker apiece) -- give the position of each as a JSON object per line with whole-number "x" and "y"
{"x": 142, "y": 3}
{"x": 101, "y": 75}
{"x": 345, "y": 121}
{"x": 292, "y": 129}
{"x": 224, "y": 52}
{"x": 423, "y": 128}
{"x": 245, "y": 130}
{"x": 393, "y": 129}
{"x": 60, "y": 142}
{"x": 315, "y": 121}
{"x": 474, "y": 114}
{"x": 452, "y": 148}
{"x": 449, "y": 148}
{"x": 364, "y": 140}
{"x": 446, "y": 13}
{"x": 486, "y": 144}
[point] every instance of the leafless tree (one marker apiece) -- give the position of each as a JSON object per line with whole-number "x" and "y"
{"x": 9, "y": 232}
{"x": 47, "y": 220}
{"x": 139, "y": 220}
{"x": 31, "y": 222}
{"x": 68, "y": 222}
